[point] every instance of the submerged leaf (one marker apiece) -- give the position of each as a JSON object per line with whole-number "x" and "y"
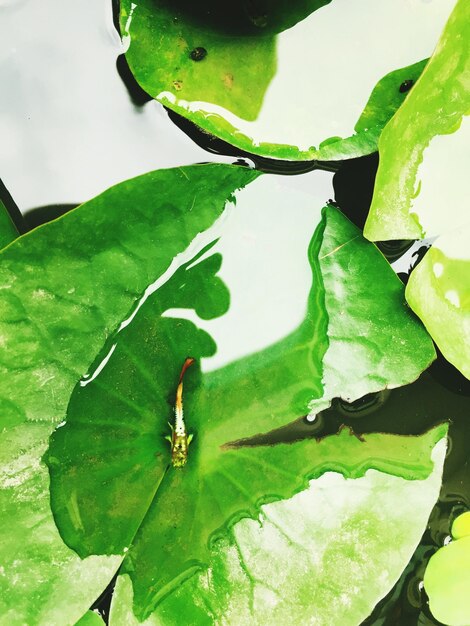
{"x": 438, "y": 291}
{"x": 293, "y": 95}
{"x": 421, "y": 180}
{"x": 324, "y": 556}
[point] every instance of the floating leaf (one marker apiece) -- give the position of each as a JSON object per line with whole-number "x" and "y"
{"x": 107, "y": 496}
{"x": 447, "y": 577}
{"x": 294, "y": 95}
{"x": 373, "y": 307}
{"x": 438, "y": 291}
{"x": 70, "y": 284}
{"x": 90, "y": 619}
{"x": 424, "y": 148}
{"x": 325, "y": 556}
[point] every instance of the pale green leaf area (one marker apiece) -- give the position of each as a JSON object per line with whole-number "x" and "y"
{"x": 424, "y": 159}
{"x": 118, "y": 415}
{"x": 439, "y": 293}
{"x": 283, "y": 95}
{"x": 66, "y": 287}
{"x": 325, "y": 556}
{"x": 90, "y": 619}
{"x": 447, "y": 577}
{"x": 8, "y": 230}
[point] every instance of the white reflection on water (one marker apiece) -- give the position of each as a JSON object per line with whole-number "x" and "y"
{"x": 264, "y": 242}
{"x": 441, "y": 181}
{"x": 68, "y": 129}
{"x": 329, "y": 63}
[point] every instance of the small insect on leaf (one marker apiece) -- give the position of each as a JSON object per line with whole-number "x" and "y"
{"x": 180, "y": 439}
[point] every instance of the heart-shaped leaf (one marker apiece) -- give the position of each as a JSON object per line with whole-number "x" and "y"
{"x": 421, "y": 180}
{"x": 439, "y": 292}
{"x": 297, "y": 94}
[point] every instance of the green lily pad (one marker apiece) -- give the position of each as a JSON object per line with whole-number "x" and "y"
{"x": 439, "y": 293}
{"x": 324, "y": 556}
{"x": 90, "y": 619}
{"x": 296, "y": 94}
{"x": 447, "y": 577}
{"x": 346, "y": 254}
{"x": 421, "y": 180}
{"x": 70, "y": 284}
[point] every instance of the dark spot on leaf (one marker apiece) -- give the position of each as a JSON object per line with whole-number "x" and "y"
{"x": 406, "y": 86}
{"x": 198, "y": 54}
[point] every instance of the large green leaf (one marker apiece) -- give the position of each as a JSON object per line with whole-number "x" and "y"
{"x": 421, "y": 179}
{"x": 66, "y": 287}
{"x": 69, "y": 285}
{"x": 105, "y": 496}
{"x": 294, "y": 95}
{"x": 439, "y": 292}
{"x": 325, "y": 556}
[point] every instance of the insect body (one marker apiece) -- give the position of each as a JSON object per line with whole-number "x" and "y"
{"x": 179, "y": 438}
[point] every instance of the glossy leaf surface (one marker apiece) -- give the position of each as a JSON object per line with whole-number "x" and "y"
{"x": 283, "y": 95}
{"x": 358, "y": 296}
{"x": 338, "y": 538}
{"x": 439, "y": 293}
{"x": 424, "y": 162}
{"x": 67, "y": 286}
{"x": 90, "y": 619}
{"x": 107, "y": 496}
